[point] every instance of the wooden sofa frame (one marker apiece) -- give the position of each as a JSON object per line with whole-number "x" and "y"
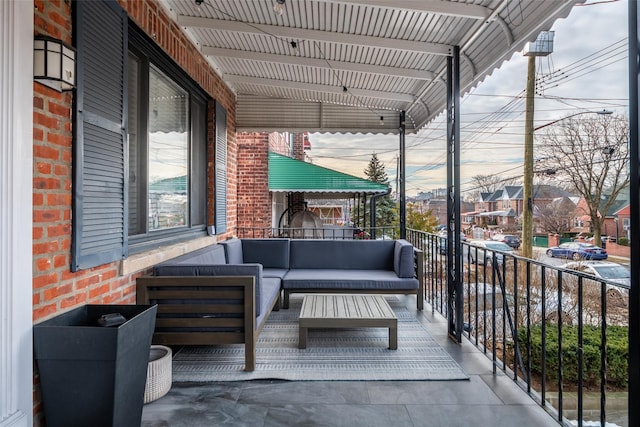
{"x": 227, "y": 295}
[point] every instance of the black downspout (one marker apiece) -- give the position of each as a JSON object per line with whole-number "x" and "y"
{"x": 364, "y": 211}
{"x": 401, "y": 174}
{"x": 634, "y": 171}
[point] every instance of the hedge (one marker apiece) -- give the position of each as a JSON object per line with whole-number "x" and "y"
{"x": 617, "y": 353}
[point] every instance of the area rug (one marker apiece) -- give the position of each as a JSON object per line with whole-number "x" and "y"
{"x": 358, "y": 354}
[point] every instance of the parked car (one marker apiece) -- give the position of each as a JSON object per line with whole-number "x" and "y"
{"x": 509, "y": 239}
{"x": 442, "y": 241}
{"x": 483, "y": 251}
{"x": 577, "y": 251}
{"x": 604, "y": 270}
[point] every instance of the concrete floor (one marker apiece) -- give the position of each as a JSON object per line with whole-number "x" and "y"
{"x": 484, "y": 400}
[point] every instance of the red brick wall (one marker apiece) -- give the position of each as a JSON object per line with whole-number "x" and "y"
{"x": 279, "y": 143}
{"x": 298, "y": 146}
{"x": 254, "y": 200}
{"x": 55, "y": 287}
{"x": 614, "y": 249}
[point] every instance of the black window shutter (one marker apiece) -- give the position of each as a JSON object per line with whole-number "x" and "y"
{"x": 221, "y": 170}
{"x": 99, "y": 231}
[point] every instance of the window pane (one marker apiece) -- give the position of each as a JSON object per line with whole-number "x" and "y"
{"x": 168, "y": 153}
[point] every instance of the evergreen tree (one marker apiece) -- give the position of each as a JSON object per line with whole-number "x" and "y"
{"x": 422, "y": 221}
{"x": 386, "y": 211}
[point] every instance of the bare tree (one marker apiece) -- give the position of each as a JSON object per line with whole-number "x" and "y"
{"x": 556, "y": 217}
{"x": 592, "y": 154}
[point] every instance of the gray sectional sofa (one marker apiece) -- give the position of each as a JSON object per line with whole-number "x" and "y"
{"x": 333, "y": 266}
{"x": 223, "y": 293}
{"x": 202, "y": 300}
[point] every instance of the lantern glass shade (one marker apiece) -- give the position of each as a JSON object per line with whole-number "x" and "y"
{"x": 54, "y": 63}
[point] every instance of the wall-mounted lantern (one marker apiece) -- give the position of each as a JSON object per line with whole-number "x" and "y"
{"x": 54, "y": 63}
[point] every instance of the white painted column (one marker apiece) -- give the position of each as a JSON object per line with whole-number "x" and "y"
{"x": 16, "y": 177}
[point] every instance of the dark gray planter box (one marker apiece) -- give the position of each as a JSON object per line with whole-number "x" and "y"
{"x": 93, "y": 375}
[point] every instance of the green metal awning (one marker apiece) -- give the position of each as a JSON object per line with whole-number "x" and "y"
{"x": 291, "y": 175}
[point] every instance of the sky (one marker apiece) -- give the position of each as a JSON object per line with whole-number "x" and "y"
{"x": 587, "y": 71}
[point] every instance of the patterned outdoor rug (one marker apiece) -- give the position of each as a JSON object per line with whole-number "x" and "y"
{"x": 331, "y": 354}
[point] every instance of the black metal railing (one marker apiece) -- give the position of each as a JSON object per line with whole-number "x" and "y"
{"x": 549, "y": 328}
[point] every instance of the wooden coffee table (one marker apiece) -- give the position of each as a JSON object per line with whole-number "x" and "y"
{"x": 347, "y": 311}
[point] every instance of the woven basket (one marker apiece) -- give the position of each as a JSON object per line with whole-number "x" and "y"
{"x": 158, "y": 373}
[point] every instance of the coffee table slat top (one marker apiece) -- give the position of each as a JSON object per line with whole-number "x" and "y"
{"x": 345, "y": 311}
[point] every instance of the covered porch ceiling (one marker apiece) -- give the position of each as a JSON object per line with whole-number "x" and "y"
{"x": 352, "y": 65}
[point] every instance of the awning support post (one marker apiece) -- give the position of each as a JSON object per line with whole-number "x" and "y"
{"x": 401, "y": 175}
{"x": 454, "y": 248}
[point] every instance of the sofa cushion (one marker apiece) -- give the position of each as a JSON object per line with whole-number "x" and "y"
{"x": 403, "y": 261}
{"x": 233, "y": 251}
{"x": 271, "y": 253}
{"x": 278, "y": 273}
{"x": 342, "y": 254}
{"x": 216, "y": 270}
{"x": 347, "y": 279}
{"x": 210, "y": 255}
{"x": 270, "y": 293}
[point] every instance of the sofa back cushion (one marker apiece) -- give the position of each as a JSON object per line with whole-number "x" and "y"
{"x": 216, "y": 270}
{"x": 271, "y": 253}
{"x": 233, "y": 251}
{"x": 342, "y": 254}
{"x": 210, "y": 255}
{"x": 403, "y": 261}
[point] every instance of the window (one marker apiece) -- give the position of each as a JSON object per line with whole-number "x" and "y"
{"x": 158, "y": 154}
{"x": 140, "y": 142}
{"x": 167, "y": 149}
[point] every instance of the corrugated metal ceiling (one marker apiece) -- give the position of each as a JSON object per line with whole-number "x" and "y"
{"x": 358, "y": 59}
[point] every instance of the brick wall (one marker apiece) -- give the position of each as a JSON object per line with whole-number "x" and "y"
{"x": 279, "y": 143}
{"x": 254, "y": 200}
{"x": 298, "y": 145}
{"x": 615, "y": 249}
{"x": 55, "y": 287}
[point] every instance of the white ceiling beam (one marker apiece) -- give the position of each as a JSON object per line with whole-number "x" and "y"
{"x": 317, "y": 63}
{"x": 437, "y": 7}
{"x": 359, "y": 93}
{"x": 320, "y": 36}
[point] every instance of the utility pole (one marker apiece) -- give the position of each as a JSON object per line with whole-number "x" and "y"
{"x": 527, "y": 186}
{"x": 543, "y": 46}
